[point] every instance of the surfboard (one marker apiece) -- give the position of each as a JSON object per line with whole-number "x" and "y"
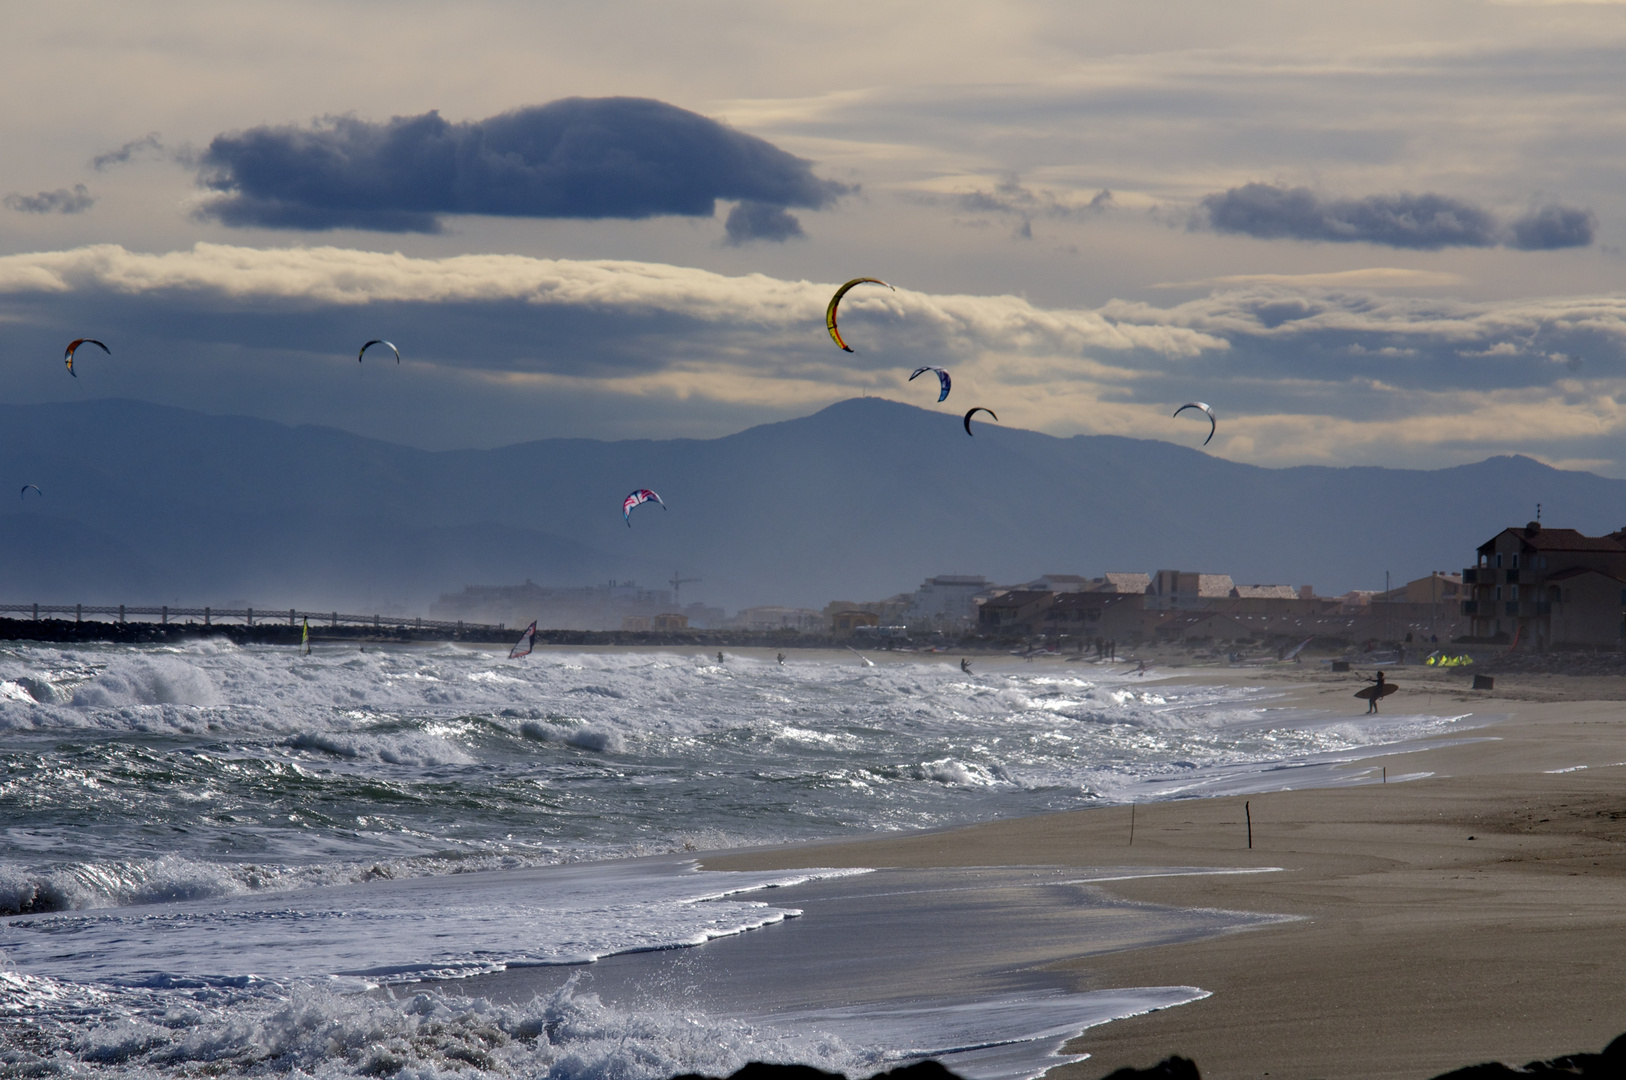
{"x": 1376, "y": 691}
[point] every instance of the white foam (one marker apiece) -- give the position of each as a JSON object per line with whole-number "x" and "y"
{"x": 404, "y": 929}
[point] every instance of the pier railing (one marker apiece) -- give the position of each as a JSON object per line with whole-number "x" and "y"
{"x": 295, "y": 617}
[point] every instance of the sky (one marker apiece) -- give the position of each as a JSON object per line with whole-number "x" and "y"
{"x": 1369, "y": 233}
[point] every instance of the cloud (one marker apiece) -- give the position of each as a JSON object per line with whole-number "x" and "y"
{"x": 752, "y": 220}
{"x": 1010, "y": 196}
{"x": 219, "y": 274}
{"x": 60, "y": 201}
{"x": 1375, "y": 277}
{"x": 147, "y": 146}
{"x": 1554, "y": 226}
{"x": 1425, "y": 222}
{"x": 573, "y": 158}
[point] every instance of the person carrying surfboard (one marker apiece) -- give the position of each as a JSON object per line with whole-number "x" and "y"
{"x": 1377, "y": 692}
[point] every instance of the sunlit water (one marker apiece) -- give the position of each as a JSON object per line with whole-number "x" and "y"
{"x": 156, "y": 805}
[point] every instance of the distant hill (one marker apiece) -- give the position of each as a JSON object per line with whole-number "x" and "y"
{"x": 147, "y": 504}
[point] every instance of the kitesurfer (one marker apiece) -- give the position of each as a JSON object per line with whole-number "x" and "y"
{"x": 965, "y": 665}
{"x": 781, "y": 658}
{"x": 73, "y": 346}
{"x": 967, "y": 419}
{"x": 638, "y": 498}
{"x": 1208, "y": 409}
{"x": 1377, "y": 692}
{"x": 943, "y": 380}
{"x": 719, "y": 656}
{"x": 835, "y": 301}
{"x": 378, "y": 341}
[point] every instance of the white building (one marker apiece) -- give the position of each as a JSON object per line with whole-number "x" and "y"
{"x": 947, "y": 600}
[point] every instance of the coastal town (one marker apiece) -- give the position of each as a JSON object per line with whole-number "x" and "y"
{"x": 1530, "y": 587}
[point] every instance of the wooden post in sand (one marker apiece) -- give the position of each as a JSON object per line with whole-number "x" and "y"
{"x": 1131, "y": 824}
{"x": 1249, "y": 815}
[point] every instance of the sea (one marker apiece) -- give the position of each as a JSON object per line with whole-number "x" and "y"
{"x": 425, "y": 861}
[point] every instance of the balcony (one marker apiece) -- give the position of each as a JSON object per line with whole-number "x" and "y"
{"x": 1470, "y": 576}
{"x": 1470, "y": 607}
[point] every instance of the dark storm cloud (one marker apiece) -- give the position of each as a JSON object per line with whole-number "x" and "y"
{"x": 752, "y": 220}
{"x": 573, "y": 158}
{"x": 1554, "y": 226}
{"x": 1427, "y": 222}
{"x": 60, "y": 201}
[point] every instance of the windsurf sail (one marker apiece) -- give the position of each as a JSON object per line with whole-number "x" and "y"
{"x": 305, "y": 637}
{"x": 1294, "y": 652}
{"x": 522, "y": 647}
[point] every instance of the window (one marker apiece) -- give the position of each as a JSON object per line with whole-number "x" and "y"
{"x": 1515, "y": 560}
{"x": 1513, "y": 592}
{"x": 1498, "y": 592}
{"x": 1498, "y": 558}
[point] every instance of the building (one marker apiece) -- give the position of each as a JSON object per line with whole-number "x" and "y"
{"x": 1438, "y": 588}
{"x": 846, "y": 621}
{"x": 669, "y": 621}
{"x": 1202, "y": 626}
{"x": 947, "y": 601}
{"x": 887, "y": 612}
{"x": 1087, "y": 615}
{"x": 1184, "y": 590}
{"x": 1264, "y": 592}
{"x": 1539, "y": 587}
{"x": 1013, "y": 612}
{"x": 1060, "y": 583}
{"x": 778, "y": 618}
{"x": 636, "y": 624}
{"x": 1116, "y": 581}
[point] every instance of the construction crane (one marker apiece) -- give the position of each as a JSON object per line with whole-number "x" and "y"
{"x": 678, "y": 582}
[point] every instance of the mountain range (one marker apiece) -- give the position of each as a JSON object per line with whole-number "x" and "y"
{"x": 146, "y": 504}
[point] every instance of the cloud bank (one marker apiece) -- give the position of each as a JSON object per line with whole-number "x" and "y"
{"x": 60, "y": 201}
{"x": 220, "y": 274}
{"x": 1334, "y": 371}
{"x": 573, "y": 158}
{"x": 1425, "y": 222}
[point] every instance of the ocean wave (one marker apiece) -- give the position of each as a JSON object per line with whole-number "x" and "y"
{"x": 307, "y": 1029}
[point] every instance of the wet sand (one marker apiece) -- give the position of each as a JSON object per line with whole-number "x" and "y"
{"x": 1477, "y": 914}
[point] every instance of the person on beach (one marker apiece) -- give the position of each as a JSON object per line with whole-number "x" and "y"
{"x": 1372, "y": 706}
{"x": 965, "y": 665}
{"x": 719, "y": 656}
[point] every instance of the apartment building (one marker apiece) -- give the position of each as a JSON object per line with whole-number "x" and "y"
{"x": 1539, "y": 587}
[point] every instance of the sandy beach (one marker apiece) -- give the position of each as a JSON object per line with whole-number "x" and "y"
{"x": 1475, "y": 914}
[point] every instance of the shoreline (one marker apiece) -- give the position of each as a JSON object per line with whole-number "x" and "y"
{"x": 1468, "y": 916}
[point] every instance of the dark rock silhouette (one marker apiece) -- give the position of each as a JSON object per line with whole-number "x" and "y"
{"x": 759, "y": 1070}
{"x": 1609, "y": 1065}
